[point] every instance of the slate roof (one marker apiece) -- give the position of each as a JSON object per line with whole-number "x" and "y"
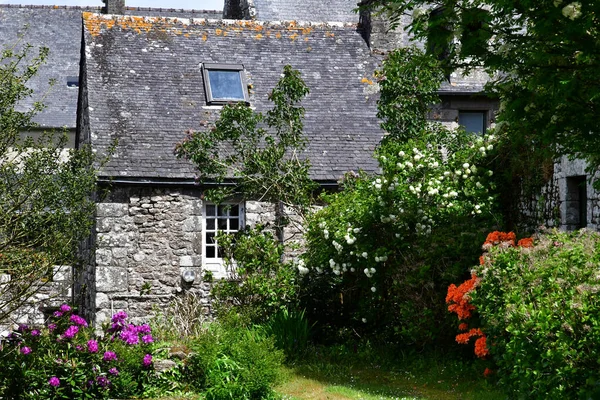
{"x": 145, "y": 88}
{"x": 59, "y": 29}
{"x": 306, "y": 10}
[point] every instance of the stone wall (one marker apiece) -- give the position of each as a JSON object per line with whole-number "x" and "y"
{"x": 46, "y": 298}
{"x": 145, "y": 239}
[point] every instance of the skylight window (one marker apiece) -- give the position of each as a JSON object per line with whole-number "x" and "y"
{"x": 224, "y": 83}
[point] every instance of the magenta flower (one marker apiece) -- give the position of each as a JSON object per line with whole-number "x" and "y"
{"x": 79, "y": 347}
{"x": 25, "y": 350}
{"x": 65, "y": 308}
{"x": 51, "y": 327}
{"x": 78, "y": 320}
{"x": 147, "y": 360}
{"x": 54, "y": 381}
{"x": 113, "y": 371}
{"x": 143, "y": 329}
{"x": 71, "y": 331}
{"x": 57, "y": 314}
{"x": 35, "y": 332}
{"x": 92, "y": 346}
{"x": 130, "y": 336}
{"x": 102, "y": 381}
{"x": 22, "y": 328}
{"x": 119, "y": 317}
{"x": 147, "y": 339}
{"x": 109, "y": 356}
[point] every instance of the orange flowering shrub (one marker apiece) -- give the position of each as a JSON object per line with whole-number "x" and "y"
{"x": 525, "y": 242}
{"x": 495, "y": 238}
{"x": 458, "y": 298}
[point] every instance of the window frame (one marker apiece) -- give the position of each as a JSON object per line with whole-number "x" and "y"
{"x": 210, "y": 99}
{"x": 484, "y": 113}
{"x": 215, "y": 264}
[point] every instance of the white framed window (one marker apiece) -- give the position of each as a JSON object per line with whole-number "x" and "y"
{"x": 224, "y": 83}
{"x": 218, "y": 218}
{"x": 473, "y": 121}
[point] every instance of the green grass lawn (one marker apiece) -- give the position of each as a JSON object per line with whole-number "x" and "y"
{"x": 426, "y": 378}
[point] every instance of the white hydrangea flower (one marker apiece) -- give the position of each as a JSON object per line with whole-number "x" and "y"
{"x": 572, "y": 11}
{"x": 466, "y": 165}
{"x": 373, "y": 289}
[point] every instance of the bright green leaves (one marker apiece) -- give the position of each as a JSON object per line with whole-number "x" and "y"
{"x": 409, "y": 82}
{"x": 46, "y": 203}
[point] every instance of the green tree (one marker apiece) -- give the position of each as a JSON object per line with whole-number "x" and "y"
{"x": 543, "y": 55}
{"x": 257, "y": 155}
{"x": 46, "y": 208}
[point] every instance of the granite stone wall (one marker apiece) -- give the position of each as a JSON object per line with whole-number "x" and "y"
{"x": 48, "y": 297}
{"x": 145, "y": 239}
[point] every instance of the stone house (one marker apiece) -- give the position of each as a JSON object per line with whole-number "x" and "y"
{"x": 143, "y": 77}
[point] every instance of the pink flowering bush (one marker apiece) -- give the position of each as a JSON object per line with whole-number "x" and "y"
{"x": 65, "y": 360}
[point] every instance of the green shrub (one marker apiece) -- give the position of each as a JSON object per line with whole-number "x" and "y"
{"x": 291, "y": 332}
{"x": 260, "y": 283}
{"x": 540, "y": 310}
{"x": 234, "y": 362}
{"x": 65, "y": 361}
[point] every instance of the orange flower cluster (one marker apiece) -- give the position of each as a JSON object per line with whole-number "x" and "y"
{"x": 525, "y": 242}
{"x": 463, "y": 326}
{"x": 481, "y": 349}
{"x": 496, "y": 237}
{"x": 488, "y": 372}
{"x": 463, "y": 338}
{"x": 458, "y": 298}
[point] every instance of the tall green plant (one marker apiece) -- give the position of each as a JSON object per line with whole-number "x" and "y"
{"x": 46, "y": 206}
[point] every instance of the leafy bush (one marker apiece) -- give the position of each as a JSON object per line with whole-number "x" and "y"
{"x": 381, "y": 254}
{"x": 540, "y": 310}
{"x": 291, "y": 332}
{"x": 65, "y": 361}
{"x": 260, "y": 283}
{"x": 234, "y": 362}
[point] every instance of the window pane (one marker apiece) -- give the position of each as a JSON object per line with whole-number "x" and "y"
{"x": 210, "y": 209}
{"x": 226, "y": 85}
{"x": 210, "y": 237}
{"x": 233, "y": 224}
{"x": 234, "y": 211}
{"x": 472, "y": 121}
{"x": 210, "y": 224}
{"x": 222, "y": 223}
{"x": 210, "y": 252}
{"x": 220, "y": 252}
{"x": 223, "y": 210}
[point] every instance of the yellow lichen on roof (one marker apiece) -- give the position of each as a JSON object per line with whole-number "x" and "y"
{"x": 96, "y": 23}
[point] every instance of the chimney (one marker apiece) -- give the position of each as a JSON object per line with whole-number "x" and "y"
{"x": 239, "y": 9}
{"x": 113, "y": 7}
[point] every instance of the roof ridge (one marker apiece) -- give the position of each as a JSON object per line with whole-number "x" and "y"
{"x": 187, "y": 10}
{"x": 293, "y": 24}
{"x": 127, "y": 8}
{"x": 46, "y": 6}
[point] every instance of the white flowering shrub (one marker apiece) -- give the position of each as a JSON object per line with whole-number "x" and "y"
{"x": 383, "y": 251}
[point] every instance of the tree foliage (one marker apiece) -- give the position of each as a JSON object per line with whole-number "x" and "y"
{"x": 544, "y": 56}
{"x": 258, "y": 154}
{"x": 383, "y": 250}
{"x": 46, "y": 207}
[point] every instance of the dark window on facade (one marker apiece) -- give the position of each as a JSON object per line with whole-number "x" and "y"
{"x": 473, "y": 121}
{"x": 223, "y": 218}
{"x": 576, "y": 209}
{"x": 72, "y": 81}
{"x": 224, "y": 83}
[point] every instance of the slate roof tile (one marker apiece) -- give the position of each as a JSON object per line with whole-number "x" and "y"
{"x": 145, "y": 87}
